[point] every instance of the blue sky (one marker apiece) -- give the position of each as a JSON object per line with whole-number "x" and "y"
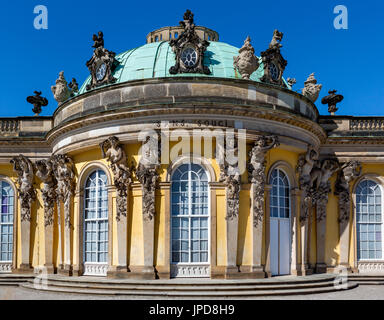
{"x": 350, "y": 61}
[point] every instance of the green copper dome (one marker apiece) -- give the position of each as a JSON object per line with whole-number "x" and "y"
{"x": 153, "y": 60}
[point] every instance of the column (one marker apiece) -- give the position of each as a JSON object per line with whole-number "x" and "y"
{"x": 295, "y": 218}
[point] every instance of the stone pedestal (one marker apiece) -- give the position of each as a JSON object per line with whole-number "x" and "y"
{"x": 232, "y": 233}
{"x": 305, "y": 236}
{"x": 257, "y": 267}
{"x": 25, "y": 266}
{"x": 344, "y": 245}
{"x": 148, "y": 235}
{"x": 48, "y": 238}
{"x": 120, "y": 248}
{"x": 321, "y": 266}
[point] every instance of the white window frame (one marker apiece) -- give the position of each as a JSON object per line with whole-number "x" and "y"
{"x": 360, "y": 260}
{"x": 190, "y": 216}
{"x": 8, "y": 263}
{"x": 95, "y": 268}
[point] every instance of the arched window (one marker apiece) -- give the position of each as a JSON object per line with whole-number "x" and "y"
{"x": 6, "y": 222}
{"x": 369, "y": 222}
{"x": 96, "y": 224}
{"x": 280, "y": 213}
{"x": 176, "y": 35}
{"x": 156, "y": 38}
{"x": 190, "y": 218}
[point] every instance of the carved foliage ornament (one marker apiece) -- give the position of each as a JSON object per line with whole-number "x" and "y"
{"x": 273, "y": 61}
{"x": 46, "y": 175}
{"x": 189, "y": 49}
{"x": 256, "y": 173}
{"x": 63, "y": 169}
{"x": 122, "y": 177}
{"x": 102, "y": 64}
{"x": 246, "y": 62}
{"x": 25, "y": 174}
{"x": 62, "y": 91}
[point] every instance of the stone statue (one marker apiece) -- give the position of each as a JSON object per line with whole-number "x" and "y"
{"x": 349, "y": 171}
{"x": 114, "y": 152}
{"x": 61, "y": 91}
{"x": 38, "y": 101}
{"x": 63, "y": 168}
{"x": 277, "y": 38}
{"x": 246, "y": 62}
{"x": 27, "y": 194}
{"x": 291, "y": 82}
{"x": 46, "y": 175}
{"x": 98, "y": 40}
{"x": 188, "y": 23}
{"x": 304, "y": 168}
{"x": 311, "y": 88}
{"x": 321, "y": 186}
{"x": 256, "y": 173}
{"x": 230, "y": 176}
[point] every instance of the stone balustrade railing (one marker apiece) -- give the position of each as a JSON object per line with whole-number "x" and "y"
{"x": 366, "y": 124}
{"x": 9, "y": 126}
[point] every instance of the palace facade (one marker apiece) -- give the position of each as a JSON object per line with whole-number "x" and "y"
{"x": 188, "y": 157}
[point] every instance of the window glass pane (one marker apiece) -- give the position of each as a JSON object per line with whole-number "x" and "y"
{"x": 189, "y": 197}
{"x": 96, "y": 218}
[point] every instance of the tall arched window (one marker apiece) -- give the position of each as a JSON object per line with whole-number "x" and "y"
{"x": 280, "y": 223}
{"x": 96, "y": 224}
{"x": 6, "y": 223}
{"x": 190, "y": 221}
{"x": 369, "y": 221}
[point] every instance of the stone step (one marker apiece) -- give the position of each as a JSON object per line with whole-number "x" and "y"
{"x": 191, "y": 294}
{"x": 170, "y": 287}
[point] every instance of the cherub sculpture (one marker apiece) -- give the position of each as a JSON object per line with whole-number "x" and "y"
{"x": 98, "y": 40}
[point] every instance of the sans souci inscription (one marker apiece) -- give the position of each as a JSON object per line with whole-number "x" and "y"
{"x": 192, "y": 123}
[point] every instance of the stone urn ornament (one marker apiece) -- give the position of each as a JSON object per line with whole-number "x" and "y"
{"x": 62, "y": 91}
{"x": 38, "y": 101}
{"x": 246, "y": 62}
{"x": 332, "y": 100}
{"x": 311, "y": 88}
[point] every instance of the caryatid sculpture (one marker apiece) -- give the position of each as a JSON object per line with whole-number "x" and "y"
{"x": 27, "y": 194}
{"x": 321, "y": 185}
{"x": 349, "y": 171}
{"x": 147, "y": 175}
{"x": 246, "y": 62}
{"x": 62, "y": 91}
{"x": 304, "y": 168}
{"x": 122, "y": 177}
{"x": 46, "y": 175}
{"x": 230, "y": 176}
{"x": 256, "y": 172}
{"x": 311, "y": 88}
{"x": 63, "y": 168}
